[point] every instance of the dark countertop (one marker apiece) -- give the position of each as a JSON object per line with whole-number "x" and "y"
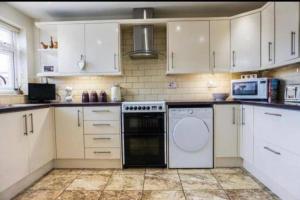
{"x": 283, "y": 105}
{"x": 6, "y": 108}
{"x": 170, "y": 104}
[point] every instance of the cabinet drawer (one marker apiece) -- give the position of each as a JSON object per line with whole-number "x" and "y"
{"x": 279, "y": 165}
{"x": 102, "y": 140}
{"x": 102, "y": 153}
{"x": 102, "y": 113}
{"x": 102, "y": 127}
{"x": 278, "y": 126}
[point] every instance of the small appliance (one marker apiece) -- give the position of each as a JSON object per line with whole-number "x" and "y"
{"x": 292, "y": 93}
{"x": 144, "y": 134}
{"x": 68, "y": 95}
{"x": 115, "y": 93}
{"x": 265, "y": 89}
{"x": 41, "y": 92}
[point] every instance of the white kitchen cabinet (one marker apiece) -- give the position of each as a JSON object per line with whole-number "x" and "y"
{"x": 69, "y": 133}
{"x": 245, "y": 43}
{"x": 71, "y": 47}
{"x": 267, "y": 36}
{"x": 188, "y": 47}
{"x": 102, "y": 48}
{"x": 220, "y": 45}
{"x": 286, "y": 31}
{"x": 14, "y": 151}
{"x": 246, "y": 133}
{"x": 41, "y": 138}
{"x": 226, "y": 122}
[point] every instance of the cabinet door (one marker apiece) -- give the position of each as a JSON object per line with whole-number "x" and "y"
{"x": 267, "y": 36}
{"x": 226, "y": 130}
{"x": 220, "y": 45}
{"x": 245, "y": 43}
{"x": 41, "y": 138}
{"x": 69, "y": 133}
{"x": 247, "y": 135}
{"x": 102, "y": 48}
{"x": 13, "y": 149}
{"x": 71, "y": 47}
{"x": 286, "y": 31}
{"x": 188, "y": 47}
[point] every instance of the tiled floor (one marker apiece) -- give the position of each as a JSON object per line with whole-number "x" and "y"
{"x": 147, "y": 184}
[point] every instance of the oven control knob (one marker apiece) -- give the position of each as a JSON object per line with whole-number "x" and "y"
{"x": 148, "y": 107}
{"x": 126, "y": 108}
{"x": 139, "y": 108}
{"x": 131, "y": 108}
{"x": 160, "y": 107}
{"x": 134, "y": 107}
{"x": 143, "y": 108}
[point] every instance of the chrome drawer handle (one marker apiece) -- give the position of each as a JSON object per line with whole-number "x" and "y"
{"x": 100, "y": 111}
{"x": 101, "y": 124}
{"x": 100, "y": 152}
{"x": 273, "y": 114}
{"x": 101, "y": 138}
{"x": 273, "y": 151}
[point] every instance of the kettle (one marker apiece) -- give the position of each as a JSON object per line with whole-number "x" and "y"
{"x": 115, "y": 93}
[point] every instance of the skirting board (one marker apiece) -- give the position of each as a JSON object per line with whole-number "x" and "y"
{"x": 25, "y": 182}
{"x": 228, "y": 162}
{"x": 73, "y": 163}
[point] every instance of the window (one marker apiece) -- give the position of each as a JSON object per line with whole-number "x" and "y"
{"x": 8, "y": 52}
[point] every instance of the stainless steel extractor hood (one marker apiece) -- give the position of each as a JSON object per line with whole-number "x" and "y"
{"x": 143, "y": 43}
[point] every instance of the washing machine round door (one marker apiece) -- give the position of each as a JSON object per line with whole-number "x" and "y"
{"x": 191, "y": 134}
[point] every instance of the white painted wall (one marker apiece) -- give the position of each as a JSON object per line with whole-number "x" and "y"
{"x": 26, "y": 41}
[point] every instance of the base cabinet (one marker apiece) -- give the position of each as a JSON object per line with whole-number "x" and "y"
{"x": 69, "y": 133}
{"x": 26, "y": 144}
{"x": 246, "y": 133}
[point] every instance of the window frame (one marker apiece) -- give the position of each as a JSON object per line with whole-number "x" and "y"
{"x": 11, "y": 49}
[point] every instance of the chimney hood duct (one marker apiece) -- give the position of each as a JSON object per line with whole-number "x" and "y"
{"x": 143, "y": 43}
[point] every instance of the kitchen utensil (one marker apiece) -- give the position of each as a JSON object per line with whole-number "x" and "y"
{"x": 93, "y": 96}
{"x": 116, "y": 93}
{"x": 102, "y": 96}
{"x": 85, "y": 97}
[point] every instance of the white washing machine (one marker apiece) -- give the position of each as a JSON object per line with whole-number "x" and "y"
{"x": 191, "y": 137}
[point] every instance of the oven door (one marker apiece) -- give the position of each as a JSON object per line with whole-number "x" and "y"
{"x": 144, "y": 150}
{"x": 144, "y": 139}
{"x": 245, "y": 90}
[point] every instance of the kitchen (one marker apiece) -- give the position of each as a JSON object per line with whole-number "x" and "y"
{"x": 116, "y": 107}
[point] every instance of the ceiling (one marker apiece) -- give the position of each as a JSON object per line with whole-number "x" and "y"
{"x": 114, "y": 10}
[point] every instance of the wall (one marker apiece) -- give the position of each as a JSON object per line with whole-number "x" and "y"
{"x": 25, "y": 42}
{"x": 146, "y": 79}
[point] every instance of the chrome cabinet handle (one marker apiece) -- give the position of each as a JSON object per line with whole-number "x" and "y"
{"x": 243, "y": 116}
{"x": 233, "y": 58}
{"x": 100, "y": 111}
{"x": 172, "y": 56}
{"x": 269, "y": 49}
{"x": 271, "y": 150}
{"x": 31, "y": 120}
{"x": 293, "y": 43}
{"x": 100, "y": 152}
{"x": 233, "y": 115}
{"x": 78, "y": 118}
{"x": 102, "y": 138}
{"x": 101, "y": 124}
{"x": 25, "y": 121}
{"x": 214, "y": 59}
{"x": 115, "y": 66}
{"x": 273, "y": 114}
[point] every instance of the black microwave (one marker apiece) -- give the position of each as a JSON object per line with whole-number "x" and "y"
{"x": 41, "y": 92}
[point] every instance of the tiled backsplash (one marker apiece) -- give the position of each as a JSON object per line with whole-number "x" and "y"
{"x": 12, "y": 99}
{"x": 146, "y": 79}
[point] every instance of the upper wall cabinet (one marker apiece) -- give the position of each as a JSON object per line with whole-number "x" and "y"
{"x": 286, "y": 31}
{"x": 188, "y": 47}
{"x": 267, "y": 36}
{"x": 89, "y": 48}
{"x": 102, "y": 47}
{"x": 71, "y": 47}
{"x": 245, "y": 43}
{"x": 220, "y": 45}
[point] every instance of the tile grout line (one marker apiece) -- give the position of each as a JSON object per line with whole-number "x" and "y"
{"x": 221, "y": 187}
{"x": 108, "y": 181}
{"x": 183, "y": 191}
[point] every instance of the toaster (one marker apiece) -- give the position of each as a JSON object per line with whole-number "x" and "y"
{"x": 292, "y": 93}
